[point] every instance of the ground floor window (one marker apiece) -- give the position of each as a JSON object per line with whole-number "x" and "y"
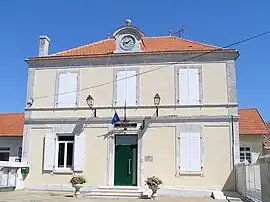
{"x": 4, "y": 153}
{"x": 245, "y": 154}
{"x": 64, "y": 154}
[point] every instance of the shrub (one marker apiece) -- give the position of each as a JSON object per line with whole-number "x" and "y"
{"x": 153, "y": 181}
{"x": 77, "y": 179}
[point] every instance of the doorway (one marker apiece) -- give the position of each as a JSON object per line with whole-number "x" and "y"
{"x": 125, "y": 160}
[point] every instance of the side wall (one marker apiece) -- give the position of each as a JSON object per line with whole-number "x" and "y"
{"x": 255, "y": 142}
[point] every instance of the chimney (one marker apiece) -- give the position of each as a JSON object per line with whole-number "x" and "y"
{"x": 44, "y": 42}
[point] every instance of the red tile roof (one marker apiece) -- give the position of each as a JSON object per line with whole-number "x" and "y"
{"x": 11, "y": 124}
{"x": 251, "y": 122}
{"x": 148, "y": 44}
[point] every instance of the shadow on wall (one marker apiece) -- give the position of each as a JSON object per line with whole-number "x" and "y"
{"x": 230, "y": 184}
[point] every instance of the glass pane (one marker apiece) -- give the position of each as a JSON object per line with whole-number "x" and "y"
{"x": 242, "y": 154}
{"x": 242, "y": 159}
{"x": 241, "y": 148}
{"x": 66, "y": 138}
{"x": 4, "y": 156}
{"x": 247, "y": 148}
{"x": 61, "y": 153}
{"x": 69, "y": 154}
{"x": 248, "y": 155}
{"x": 126, "y": 140}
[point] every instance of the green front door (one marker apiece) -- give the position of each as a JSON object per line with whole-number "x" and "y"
{"x": 125, "y": 165}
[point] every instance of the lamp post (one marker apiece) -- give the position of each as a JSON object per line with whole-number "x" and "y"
{"x": 90, "y": 103}
{"x": 157, "y": 99}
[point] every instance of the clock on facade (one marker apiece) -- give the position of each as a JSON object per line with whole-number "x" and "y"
{"x": 127, "y": 42}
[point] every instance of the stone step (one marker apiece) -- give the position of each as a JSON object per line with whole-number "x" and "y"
{"x": 115, "y": 192}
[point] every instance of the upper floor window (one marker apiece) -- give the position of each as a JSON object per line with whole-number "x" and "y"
{"x": 126, "y": 89}
{"x": 67, "y": 89}
{"x": 188, "y": 85}
{"x": 245, "y": 154}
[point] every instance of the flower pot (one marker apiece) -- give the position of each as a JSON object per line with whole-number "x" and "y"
{"x": 77, "y": 188}
{"x": 154, "y": 191}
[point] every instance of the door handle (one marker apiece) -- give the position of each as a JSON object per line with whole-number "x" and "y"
{"x": 129, "y": 166}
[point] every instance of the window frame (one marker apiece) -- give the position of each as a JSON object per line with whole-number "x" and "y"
{"x": 245, "y": 145}
{"x": 57, "y": 142}
{"x": 115, "y": 70}
{"x": 176, "y": 82}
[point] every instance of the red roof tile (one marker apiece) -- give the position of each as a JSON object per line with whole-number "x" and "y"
{"x": 251, "y": 122}
{"x": 148, "y": 44}
{"x": 11, "y": 124}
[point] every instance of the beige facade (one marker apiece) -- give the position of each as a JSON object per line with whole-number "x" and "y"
{"x": 159, "y": 144}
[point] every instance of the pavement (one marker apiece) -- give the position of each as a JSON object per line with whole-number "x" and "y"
{"x": 42, "y": 196}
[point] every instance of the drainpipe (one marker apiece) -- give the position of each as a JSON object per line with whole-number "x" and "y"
{"x": 232, "y": 141}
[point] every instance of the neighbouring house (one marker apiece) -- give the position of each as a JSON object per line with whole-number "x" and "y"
{"x": 11, "y": 132}
{"x": 253, "y": 132}
{"x": 266, "y": 142}
{"x": 188, "y": 135}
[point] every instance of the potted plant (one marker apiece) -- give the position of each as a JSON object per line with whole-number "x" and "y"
{"x": 153, "y": 184}
{"x": 77, "y": 182}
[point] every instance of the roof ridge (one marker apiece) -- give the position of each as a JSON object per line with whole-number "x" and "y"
{"x": 82, "y": 46}
{"x": 11, "y": 113}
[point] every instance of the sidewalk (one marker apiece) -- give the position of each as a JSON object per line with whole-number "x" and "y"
{"x": 40, "y": 196}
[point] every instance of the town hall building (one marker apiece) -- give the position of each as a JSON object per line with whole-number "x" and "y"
{"x": 124, "y": 108}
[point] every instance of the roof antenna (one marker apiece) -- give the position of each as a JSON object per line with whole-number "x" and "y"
{"x": 180, "y": 32}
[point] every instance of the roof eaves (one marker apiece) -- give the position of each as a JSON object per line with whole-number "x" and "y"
{"x": 52, "y": 57}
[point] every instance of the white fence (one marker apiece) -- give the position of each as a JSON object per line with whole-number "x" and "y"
{"x": 249, "y": 181}
{"x": 10, "y": 174}
{"x": 253, "y": 180}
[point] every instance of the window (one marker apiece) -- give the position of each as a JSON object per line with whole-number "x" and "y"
{"x": 65, "y": 145}
{"x": 67, "y": 89}
{"x": 63, "y": 152}
{"x": 245, "y": 154}
{"x": 190, "y": 142}
{"x": 188, "y": 85}
{"x": 126, "y": 88}
{"x": 4, "y": 154}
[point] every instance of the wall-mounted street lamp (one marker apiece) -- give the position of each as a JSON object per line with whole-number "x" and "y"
{"x": 90, "y": 103}
{"x": 157, "y": 99}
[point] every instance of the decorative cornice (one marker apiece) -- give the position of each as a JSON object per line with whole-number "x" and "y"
{"x": 107, "y": 120}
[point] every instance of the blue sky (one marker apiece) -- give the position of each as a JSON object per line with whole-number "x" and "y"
{"x": 71, "y": 23}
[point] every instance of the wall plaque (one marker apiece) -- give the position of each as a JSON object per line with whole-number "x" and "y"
{"x": 148, "y": 158}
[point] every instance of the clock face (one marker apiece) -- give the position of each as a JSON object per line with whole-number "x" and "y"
{"x": 127, "y": 42}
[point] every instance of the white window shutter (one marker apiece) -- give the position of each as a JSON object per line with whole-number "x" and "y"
{"x": 121, "y": 88}
{"x": 194, "y": 88}
{"x": 67, "y": 90}
{"x": 49, "y": 152}
{"x": 79, "y": 152}
{"x": 195, "y": 151}
{"x": 131, "y": 85}
{"x": 184, "y": 151}
{"x": 183, "y": 76}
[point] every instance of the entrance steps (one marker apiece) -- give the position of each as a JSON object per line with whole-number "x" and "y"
{"x": 116, "y": 192}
